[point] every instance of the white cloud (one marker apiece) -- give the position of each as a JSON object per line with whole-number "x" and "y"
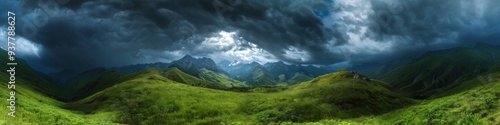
{"x": 297, "y": 54}
{"x": 358, "y": 45}
{"x": 3, "y": 39}
{"x": 229, "y": 46}
{"x": 24, "y": 47}
{"x": 354, "y": 19}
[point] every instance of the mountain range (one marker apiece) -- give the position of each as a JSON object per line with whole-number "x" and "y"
{"x": 443, "y": 69}
{"x": 435, "y": 70}
{"x": 452, "y": 86}
{"x": 253, "y": 74}
{"x": 270, "y": 73}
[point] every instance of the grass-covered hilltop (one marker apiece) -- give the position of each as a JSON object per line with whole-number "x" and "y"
{"x": 428, "y": 90}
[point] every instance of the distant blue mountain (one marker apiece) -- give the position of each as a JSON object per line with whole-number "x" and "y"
{"x": 241, "y": 71}
{"x": 251, "y": 73}
{"x": 192, "y": 66}
{"x": 274, "y": 72}
{"x": 187, "y": 64}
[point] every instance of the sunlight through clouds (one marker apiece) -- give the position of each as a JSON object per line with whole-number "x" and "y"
{"x": 232, "y": 47}
{"x": 322, "y": 32}
{"x": 24, "y": 47}
{"x": 295, "y": 53}
{"x": 27, "y": 47}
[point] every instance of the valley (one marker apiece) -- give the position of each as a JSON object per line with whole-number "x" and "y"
{"x": 458, "y": 86}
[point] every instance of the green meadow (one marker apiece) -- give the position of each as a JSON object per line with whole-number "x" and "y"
{"x": 150, "y": 97}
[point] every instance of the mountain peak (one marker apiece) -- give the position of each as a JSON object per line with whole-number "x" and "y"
{"x": 191, "y": 65}
{"x": 224, "y": 63}
{"x": 280, "y": 62}
{"x": 187, "y": 57}
{"x": 234, "y": 63}
{"x": 254, "y": 63}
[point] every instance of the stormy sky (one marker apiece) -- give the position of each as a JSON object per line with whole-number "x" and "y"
{"x": 79, "y": 34}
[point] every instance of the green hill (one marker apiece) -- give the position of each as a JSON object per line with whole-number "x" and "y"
{"x": 104, "y": 81}
{"x": 34, "y": 80}
{"x": 177, "y": 75}
{"x": 207, "y": 78}
{"x": 477, "y": 81}
{"x": 443, "y": 69}
{"x": 92, "y": 81}
{"x": 98, "y": 79}
{"x": 36, "y": 108}
{"x": 336, "y": 98}
{"x": 150, "y": 98}
{"x": 170, "y": 96}
{"x": 221, "y": 80}
{"x": 297, "y": 78}
{"x": 36, "y": 100}
{"x": 475, "y": 103}
{"x": 259, "y": 76}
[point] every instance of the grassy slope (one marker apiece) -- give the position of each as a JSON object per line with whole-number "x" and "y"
{"x": 84, "y": 78}
{"x": 99, "y": 79}
{"x": 219, "y": 79}
{"x": 443, "y": 69}
{"x": 177, "y": 75}
{"x": 92, "y": 81}
{"x": 34, "y": 80}
{"x": 36, "y": 108}
{"x": 259, "y": 76}
{"x": 474, "y": 103}
{"x": 150, "y": 98}
{"x": 482, "y": 79}
{"x": 157, "y": 97}
{"x": 35, "y": 103}
{"x": 106, "y": 80}
{"x": 297, "y": 78}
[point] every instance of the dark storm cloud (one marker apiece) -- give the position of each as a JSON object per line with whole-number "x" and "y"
{"x": 80, "y": 34}
{"x": 107, "y": 33}
{"x": 428, "y": 21}
{"x": 86, "y": 34}
{"x": 278, "y": 25}
{"x": 414, "y": 27}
